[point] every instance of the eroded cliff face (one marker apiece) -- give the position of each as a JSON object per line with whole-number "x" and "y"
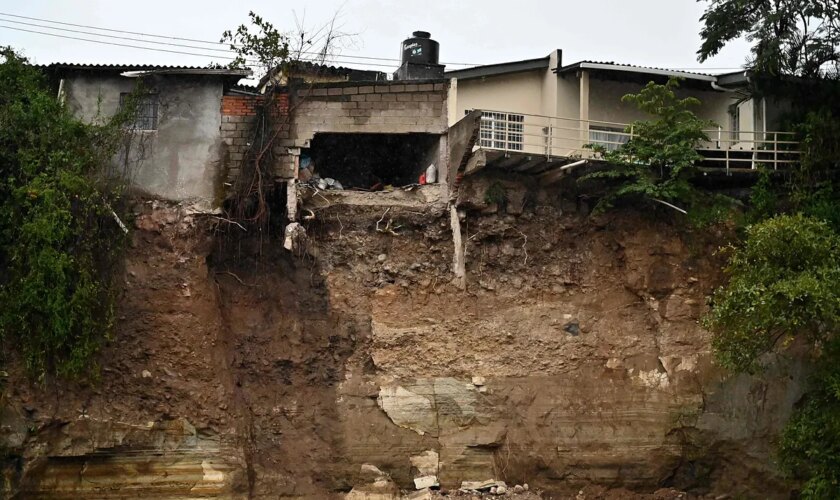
{"x": 239, "y": 370}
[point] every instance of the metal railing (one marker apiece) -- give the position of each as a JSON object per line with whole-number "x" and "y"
{"x": 554, "y": 136}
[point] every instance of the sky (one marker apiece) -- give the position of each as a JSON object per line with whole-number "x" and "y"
{"x": 660, "y": 33}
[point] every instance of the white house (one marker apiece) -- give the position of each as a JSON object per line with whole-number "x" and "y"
{"x": 541, "y": 106}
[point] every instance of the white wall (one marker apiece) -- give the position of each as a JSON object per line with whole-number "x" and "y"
{"x": 605, "y": 102}
{"x": 520, "y": 93}
{"x": 516, "y": 92}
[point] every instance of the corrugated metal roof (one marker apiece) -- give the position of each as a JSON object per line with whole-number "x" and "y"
{"x": 115, "y": 67}
{"x": 607, "y": 65}
{"x": 311, "y": 68}
{"x": 146, "y": 68}
{"x": 245, "y": 89}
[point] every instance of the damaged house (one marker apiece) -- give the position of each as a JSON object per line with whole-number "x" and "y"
{"x": 363, "y": 368}
{"x": 344, "y": 130}
{"x": 546, "y": 107}
{"x": 176, "y": 151}
{"x": 355, "y": 137}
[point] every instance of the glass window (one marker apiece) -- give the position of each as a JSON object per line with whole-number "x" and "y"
{"x": 501, "y": 130}
{"x": 610, "y": 138}
{"x": 147, "y": 111}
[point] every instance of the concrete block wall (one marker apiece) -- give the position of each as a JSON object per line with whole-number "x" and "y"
{"x": 239, "y": 113}
{"x": 381, "y": 107}
{"x": 336, "y": 107}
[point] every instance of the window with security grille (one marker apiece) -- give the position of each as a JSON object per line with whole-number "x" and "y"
{"x": 147, "y": 111}
{"x": 501, "y": 130}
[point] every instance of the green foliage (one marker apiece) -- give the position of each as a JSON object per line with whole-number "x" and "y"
{"x": 260, "y": 44}
{"x": 810, "y": 445}
{"x": 794, "y": 290}
{"x": 794, "y": 37}
{"x": 784, "y": 283}
{"x": 710, "y": 209}
{"x": 495, "y": 194}
{"x": 820, "y": 147}
{"x": 764, "y": 199}
{"x": 266, "y": 46}
{"x": 58, "y": 237}
{"x": 659, "y": 160}
{"x": 822, "y": 202}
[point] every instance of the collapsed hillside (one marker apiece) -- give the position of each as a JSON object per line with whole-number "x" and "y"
{"x": 240, "y": 370}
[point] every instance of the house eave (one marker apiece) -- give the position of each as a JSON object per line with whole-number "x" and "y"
{"x": 242, "y": 73}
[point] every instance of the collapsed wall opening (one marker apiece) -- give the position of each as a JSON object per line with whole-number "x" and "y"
{"x": 371, "y": 162}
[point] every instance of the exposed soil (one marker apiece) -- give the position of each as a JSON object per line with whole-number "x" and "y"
{"x": 572, "y": 359}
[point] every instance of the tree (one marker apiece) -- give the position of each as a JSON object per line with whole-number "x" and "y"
{"x": 59, "y": 237}
{"x": 785, "y": 278}
{"x": 660, "y": 158}
{"x": 791, "y": 37}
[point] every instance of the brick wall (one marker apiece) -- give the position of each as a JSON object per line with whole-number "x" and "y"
{"x": 238, "y": 114}
{"x": 385, "y": 107}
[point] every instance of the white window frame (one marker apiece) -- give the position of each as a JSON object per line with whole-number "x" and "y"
{"x": 501, "y": 130}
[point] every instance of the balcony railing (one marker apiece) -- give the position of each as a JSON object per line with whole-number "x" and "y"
{"x": 554, "y": 136}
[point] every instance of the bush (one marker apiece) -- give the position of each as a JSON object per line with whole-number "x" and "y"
{"x": 59, "y": 241}
{"x": 784, "y": 282}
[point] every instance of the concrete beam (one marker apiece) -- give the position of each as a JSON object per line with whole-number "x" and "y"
{"x": 477, "y": 161}
{"x": 555, "y": 174}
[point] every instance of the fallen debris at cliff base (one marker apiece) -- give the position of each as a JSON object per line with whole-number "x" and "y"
{"x": 587, "y": 493}
{"x": 488, "y": 486}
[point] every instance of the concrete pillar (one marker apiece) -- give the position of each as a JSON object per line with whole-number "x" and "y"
{"x": 292, "y": 199}
{"x": 452, "y": 102}
{"x": 459, "y": 264}
{"x": 584, "y": 108}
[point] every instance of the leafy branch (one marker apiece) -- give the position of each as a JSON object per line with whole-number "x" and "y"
{"x": 659, "y": 160}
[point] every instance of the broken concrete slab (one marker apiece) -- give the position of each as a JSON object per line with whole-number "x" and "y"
{"x": 426, "y": 482}
{"x": 419, "y": 197}
{"x": 427, "y": 463}
{"x": 295, "y": 237}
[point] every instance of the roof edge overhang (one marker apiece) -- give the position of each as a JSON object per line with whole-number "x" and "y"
{"x": 241, "y": 73}
{"x": 636, "y": 70}
{"x": 499, "y": 69}
{"x": 737, "y": 78}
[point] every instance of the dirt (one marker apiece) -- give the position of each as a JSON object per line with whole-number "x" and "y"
{"x": 573, "y": 361}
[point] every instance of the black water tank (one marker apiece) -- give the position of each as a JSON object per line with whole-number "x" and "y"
{"x": 420, "y": 49}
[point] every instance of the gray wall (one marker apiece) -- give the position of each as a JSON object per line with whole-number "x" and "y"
{"x": 179, "y": 161}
